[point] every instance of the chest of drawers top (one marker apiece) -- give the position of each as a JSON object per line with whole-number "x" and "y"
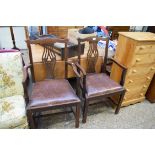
{"x": 135, "y": 48}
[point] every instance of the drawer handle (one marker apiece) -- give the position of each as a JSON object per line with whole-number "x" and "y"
{"x": 138, "y": 60}
{"x": 127, "y": 90}
{"x": 152, "y": 68}
{"x": 134, "y": 71}
{"x": 130, "y": 81}
{"x": 144, "y": 86}
{"x": 141, "y": 48}
{"x": 148, "y": 78}
{"x": 141, "y": 94}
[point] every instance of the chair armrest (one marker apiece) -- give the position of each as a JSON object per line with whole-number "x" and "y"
{"x": 80, "y": 68}
{"x": 25, "y": 71}
{"x": 124, "y": 70}
{"x": 25, "y": 82}
{"x": 74, "y": 68}
{"x": 80, "y": 74}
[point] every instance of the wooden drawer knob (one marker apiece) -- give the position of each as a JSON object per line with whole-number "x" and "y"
{"x": 141, "y": 48}
{"x": 148, "y": 78}
{"x": 130, "y": 81}
{"x": 144, "y": 86}
{"x": 127, "y": 90}
{"x": 134, "y": 71}
{"x": 138, "y": 60}
{"x": 141, "y": 94}
{"x": 152, "y": 68}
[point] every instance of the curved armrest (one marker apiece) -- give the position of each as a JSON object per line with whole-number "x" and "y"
{"x": 74, "y": 68}
{"x": 116, "y": 62}
{"x": 81, "y": 69}
{"x": 25, "y": 71}
{"x": 123, "y": 72}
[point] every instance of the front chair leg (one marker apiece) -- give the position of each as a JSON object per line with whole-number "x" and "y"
{"x": 77, "y": 115}
{"x": 120, "y": 102}
{"x": 85, "y": 111}
{"x": 30, "y": 119}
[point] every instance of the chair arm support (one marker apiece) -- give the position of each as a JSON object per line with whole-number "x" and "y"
{"x": 74, "y": 68}
{"x": 124, "y": 70}
{"x": 80, "y": 68}
{"x": 25, "y": 71}
{"x": 80, "y": 74}
{"x": 25, "y": 82}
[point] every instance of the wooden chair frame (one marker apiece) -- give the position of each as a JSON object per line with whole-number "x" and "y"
{"x": 48, "y": 53}
{"x": 93, "y": 55}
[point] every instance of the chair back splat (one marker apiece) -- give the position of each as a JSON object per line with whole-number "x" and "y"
{"x": 93, "y": 54}
{"x": 49, "y": 54}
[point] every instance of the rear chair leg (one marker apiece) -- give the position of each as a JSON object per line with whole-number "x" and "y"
{"x": 85, "y": 111}
{"x": 120, "y": 102}
{"x": 77, "y": 115}
{"x": 31, "y": 119}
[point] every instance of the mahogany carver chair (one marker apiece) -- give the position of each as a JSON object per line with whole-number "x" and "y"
{"x": 94, "y": 85}
{"x": 51, "y": 93}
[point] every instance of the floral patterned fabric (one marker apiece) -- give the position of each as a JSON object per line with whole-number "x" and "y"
{"x": 13, "y": 113}
{"x": 11, "y": 74}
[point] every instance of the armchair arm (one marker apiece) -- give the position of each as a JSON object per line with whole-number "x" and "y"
{"x": 83, "y": 77}
{"x": 80, "y": 75}
{"x": 124, "y": 70}
{"x": 25, "y": 71}
{"x": 25, "y": 82}
{"x": 80, "y": 68}
{"x": 74, "y": 68}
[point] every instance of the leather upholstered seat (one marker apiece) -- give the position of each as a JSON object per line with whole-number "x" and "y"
{"x": 100, "y": 84}
{"x": 52, "y": 92}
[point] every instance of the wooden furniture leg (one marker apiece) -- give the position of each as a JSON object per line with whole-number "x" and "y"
{"x": 31, "y": 119}
{"x": 120, "y": 102}
{"x": 77, "y": 115}
{"x": 85, "y": 111}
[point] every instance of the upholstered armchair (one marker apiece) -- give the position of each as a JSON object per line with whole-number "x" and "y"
{"x": 12, "y": 93}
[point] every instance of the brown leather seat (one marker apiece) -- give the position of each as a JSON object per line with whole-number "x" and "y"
{"x": 100, "y": 84}
{"x": 52, "y": 92}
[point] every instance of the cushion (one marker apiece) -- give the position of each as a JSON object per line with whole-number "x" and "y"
{"x": 52, "y": 92}
{"x": 100, "y": 84}
{"x": 11, "y": 74}
{"x": 13, "y": 113}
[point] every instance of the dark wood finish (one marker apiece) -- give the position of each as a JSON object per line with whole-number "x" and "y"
{"x": 150, "y": 95}
{"x": 60, "y": 31}
{"x": 13, "y": 39}
{"x": 88, "y": 82}
{"x": 116, "y": 29}
{"x": 51, "y": 93}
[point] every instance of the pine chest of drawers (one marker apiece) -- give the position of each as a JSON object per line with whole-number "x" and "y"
{"x": 136, "y": 51}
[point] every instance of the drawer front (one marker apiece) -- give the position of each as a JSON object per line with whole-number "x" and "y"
{"x": 134, "y": 81}
{"x": 133, "y": 92}
{"x": 145, "y": 49}
{"x": 141, "y": 70}
{"x": 143, "y": 59}
{"x": 137, "y": 87}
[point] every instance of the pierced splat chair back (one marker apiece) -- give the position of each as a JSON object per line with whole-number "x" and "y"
{"x": 49, "y": 56}
{"x": 93, "y": 53}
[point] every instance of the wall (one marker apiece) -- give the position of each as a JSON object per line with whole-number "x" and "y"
{"x": 6, "y": 40}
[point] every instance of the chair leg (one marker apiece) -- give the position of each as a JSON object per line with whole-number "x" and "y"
{"x": 85, "y": 111}
{"x": 77, "y": 115}
{"x": 119, "y": 102}
{"x": 31, "y": 119}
